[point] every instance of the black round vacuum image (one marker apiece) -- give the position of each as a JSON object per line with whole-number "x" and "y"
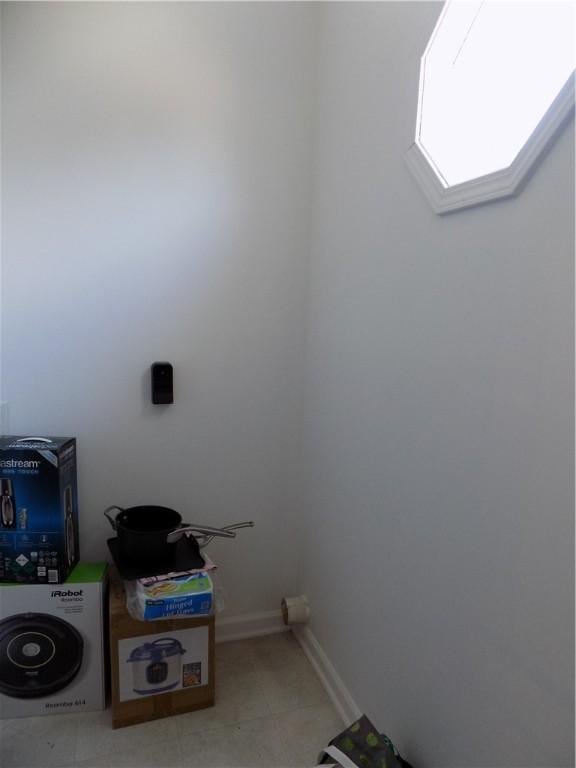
{"x": 39, "y": 655}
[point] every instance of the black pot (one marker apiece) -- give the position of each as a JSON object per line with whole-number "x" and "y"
{"x": 148, "y": 535}
{"x": 143, "y": 533}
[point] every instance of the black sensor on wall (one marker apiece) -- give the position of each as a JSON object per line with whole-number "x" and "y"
{"x": 162, "y": 383}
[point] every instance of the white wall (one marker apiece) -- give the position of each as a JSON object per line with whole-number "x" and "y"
{"x": 3, "y": 425}
{"x": 156, "y": 198}
{"x": 439, "y": 522}
{"x": 156, "y": 202}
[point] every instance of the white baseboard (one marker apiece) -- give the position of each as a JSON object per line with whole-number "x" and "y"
{"x": 249, "y": 625}
{"x": 340, "y": 696}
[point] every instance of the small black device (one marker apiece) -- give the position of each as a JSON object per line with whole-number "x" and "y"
{"x": 162, "y": 383}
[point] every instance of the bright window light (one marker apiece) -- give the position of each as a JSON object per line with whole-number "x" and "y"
{"x": 489, "y": 74}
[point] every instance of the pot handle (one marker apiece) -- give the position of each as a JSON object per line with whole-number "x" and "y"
{"x": 189, "y": 527}
{"x": 235, "y": 526}
{"x": 206, "y": 539}
{"x": 111, "y": 520}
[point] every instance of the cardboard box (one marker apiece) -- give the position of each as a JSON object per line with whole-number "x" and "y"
{"x": 38, "y": 509}
{"x": 52, "y": 645}
{"x": 159, "y": 668}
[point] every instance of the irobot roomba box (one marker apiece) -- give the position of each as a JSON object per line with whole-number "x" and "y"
{"x": 52, "y": 645}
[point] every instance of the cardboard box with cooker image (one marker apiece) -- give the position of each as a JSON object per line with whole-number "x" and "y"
{"x": 52, "y": 645}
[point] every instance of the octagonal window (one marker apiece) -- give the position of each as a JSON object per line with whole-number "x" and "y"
{"x": 491, "y": 71}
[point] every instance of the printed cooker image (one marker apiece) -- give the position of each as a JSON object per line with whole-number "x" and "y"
{"x": 157, "y": 666}
{"x": 39, "y": 655}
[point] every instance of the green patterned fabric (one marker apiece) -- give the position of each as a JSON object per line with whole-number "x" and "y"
{"x": 366, "y": 748}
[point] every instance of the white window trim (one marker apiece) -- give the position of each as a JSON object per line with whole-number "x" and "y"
{"x": 505, "y": 183}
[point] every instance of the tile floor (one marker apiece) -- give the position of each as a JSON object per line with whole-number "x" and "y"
{"x": 270, "y": 711}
